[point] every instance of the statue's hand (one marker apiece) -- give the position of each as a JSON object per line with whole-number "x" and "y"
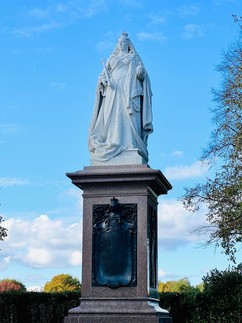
{"x": 103, "y": 81}
{"x": 140, "y": 72}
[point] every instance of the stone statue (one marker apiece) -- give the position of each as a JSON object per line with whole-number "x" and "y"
{"x": 122, "y": 117}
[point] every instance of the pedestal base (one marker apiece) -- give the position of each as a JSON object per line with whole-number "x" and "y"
{"x": 118, "y": 311}
{"x": 120, "y": 244}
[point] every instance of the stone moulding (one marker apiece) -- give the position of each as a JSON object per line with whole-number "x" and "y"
{"x": 136, "y": 174}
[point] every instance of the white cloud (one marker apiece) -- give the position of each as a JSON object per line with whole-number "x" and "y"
{"x": 105, "y": 45}
{"x": 71, "y": 9}
{"x": 130, "y": 3}
{"x": 76, "y": 258}
{"x": 12, "y": 181}
{"x": 94, "y": 7}
{"x": 197, "y": 169}
{"x": 38, "y": 257}
{"x": 46, "y": 27}
{"x": 29, "y": 31}
{"x": 191, "y": 30}
{"x": 57, "y": 15}
{"x": 9, "y": 129}
{"x": 221, "y": 2}
{"x": 189, "y": 10}
{"x": 33, "y": 50}
{"x": 34, "y": 288}
{"x": 20, "y": 33}
{"x": 175, "y": 224}
{"x": 75, "y": 194}
{"x": 177, "y": 153}
{"x": 39, "y": 13}
{"x": 144, "y": 36}
{"x": 166, "y": 276}
{"x": 157, "y": 18}
{"x": 161, "y": 273}
{"x": 58, "y": 85}
{"x": 42, "y": 242}
{"x": 4, "y": 262}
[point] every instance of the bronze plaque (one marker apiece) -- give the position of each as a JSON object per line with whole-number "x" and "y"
{"x": 114, "y": 245}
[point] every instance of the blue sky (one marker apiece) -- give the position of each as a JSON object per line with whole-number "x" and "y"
{"x": 49, "y": 63}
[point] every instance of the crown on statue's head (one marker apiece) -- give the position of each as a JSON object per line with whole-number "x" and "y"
{"x": 124, "y": 35}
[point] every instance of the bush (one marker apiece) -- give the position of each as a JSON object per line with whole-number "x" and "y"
{"x": 181, "y": 306}
{"x": 221, "y": 300}
{"x": 11, "y": 285}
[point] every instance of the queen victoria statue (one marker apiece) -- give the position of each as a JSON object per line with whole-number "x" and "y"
{"x": 120, "y": 200}
{"x": 122, "y": 116}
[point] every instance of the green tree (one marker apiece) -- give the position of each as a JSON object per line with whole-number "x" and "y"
{"x": 221, "y": 300}
{"x": 200, "y": 287}
{"x": 222, "y": 193}
{"x": 3, "y": 231}
{"x": 180, "y": 285}
{"x": 11, "y": 285}
{"x": 62, "y": 283}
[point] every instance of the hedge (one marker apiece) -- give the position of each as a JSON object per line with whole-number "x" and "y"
{"x": 186, "y": 307}
{"x": 181, "y": 306}
{"x": 33, "y": 307}
{"x": 200, "y": 307}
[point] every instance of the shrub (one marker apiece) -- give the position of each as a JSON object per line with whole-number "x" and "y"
{"x": 11, "y": 285}
{"x": 221, "y": 300}
{"x": 181, "y": 306}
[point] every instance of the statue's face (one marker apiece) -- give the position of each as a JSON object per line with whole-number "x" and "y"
{"x": 124, "y": 44}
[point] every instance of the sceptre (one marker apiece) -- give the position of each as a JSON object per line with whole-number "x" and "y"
{"x": 106, "y": 72}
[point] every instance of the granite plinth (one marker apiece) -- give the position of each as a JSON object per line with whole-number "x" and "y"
{"x": 137, "y": 185}
{"x": 120, "y": 179}
{"x": 118, "y": 310}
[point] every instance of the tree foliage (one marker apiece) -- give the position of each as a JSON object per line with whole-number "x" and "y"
{"x": 11, "y": 285}
{"x": 180, "y": 286}
{"x": 222, "y": 296}
{"x": 222, "y": 194}
{"x": 3, "y": 231}
{"x": 62, "y": 283}
{"x": 219, "y": 301}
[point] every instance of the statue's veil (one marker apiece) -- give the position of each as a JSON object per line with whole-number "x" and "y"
{"x": 131, "y": 46}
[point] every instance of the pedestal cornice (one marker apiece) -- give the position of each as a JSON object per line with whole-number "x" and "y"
{"x": 125, "y": 174}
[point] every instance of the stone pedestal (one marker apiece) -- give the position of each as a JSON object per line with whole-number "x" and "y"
{"x": 119, "y": 266}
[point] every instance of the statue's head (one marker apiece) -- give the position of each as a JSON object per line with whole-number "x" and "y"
{"x": 124, "y": 42}
{"x": 124, "y": 35}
